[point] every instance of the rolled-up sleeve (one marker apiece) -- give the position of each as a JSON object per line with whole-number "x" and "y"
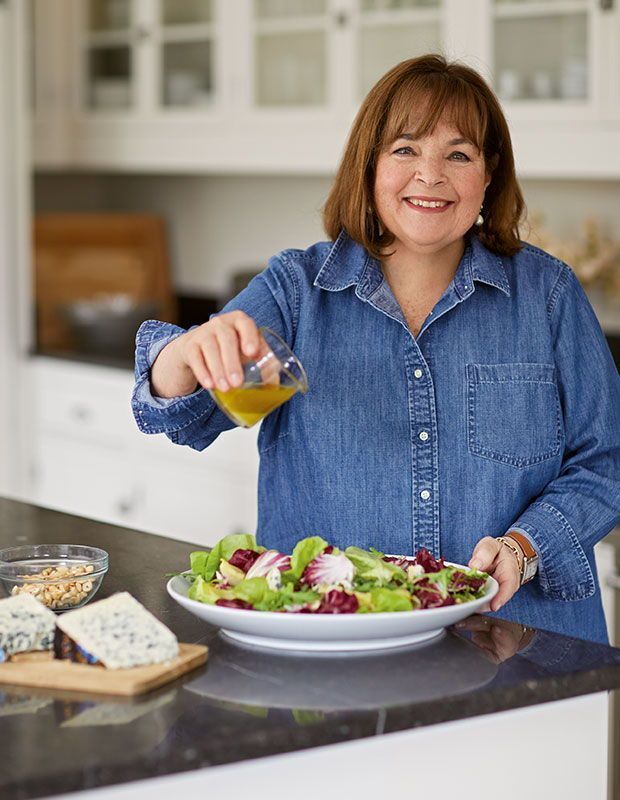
{"x": 271, "y": 299}
{"x": 581, "y": 505}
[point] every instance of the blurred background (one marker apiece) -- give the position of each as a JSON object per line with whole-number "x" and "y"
{"x": 155, "y": 153}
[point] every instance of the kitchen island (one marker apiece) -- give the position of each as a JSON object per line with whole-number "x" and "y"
{"x": 514, "y": 709}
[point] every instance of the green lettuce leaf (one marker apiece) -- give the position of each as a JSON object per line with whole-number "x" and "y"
{"x": 371, "y": 568}
{"x": 257, "y": 592}
{"x": 390, "y": 600}
{"x": 198, "y": 560}
{"x": 305, "y": 551}
{"x": 205, "y": 592}
{"x": 440, "y": 580}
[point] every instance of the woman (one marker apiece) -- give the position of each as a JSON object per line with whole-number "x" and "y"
{"x": 461, "y": 388}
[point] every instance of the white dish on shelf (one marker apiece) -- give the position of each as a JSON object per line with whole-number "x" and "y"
{"x": 330, "y": 632}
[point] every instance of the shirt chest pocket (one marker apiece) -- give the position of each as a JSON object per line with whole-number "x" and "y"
{"x": 513, "y": 413}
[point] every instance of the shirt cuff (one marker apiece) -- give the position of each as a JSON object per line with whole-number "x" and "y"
{"x": 162, "y": 414}
{"x": 564, "y": 572}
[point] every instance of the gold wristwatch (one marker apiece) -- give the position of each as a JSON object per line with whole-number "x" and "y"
{"x": 530, "y": 556}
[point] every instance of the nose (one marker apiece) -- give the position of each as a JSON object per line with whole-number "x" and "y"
{"x": 429, "y": 171}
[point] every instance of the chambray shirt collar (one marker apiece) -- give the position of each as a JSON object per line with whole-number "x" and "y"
{"x": 481, "y": 265}
{"x": 348, "y": 264}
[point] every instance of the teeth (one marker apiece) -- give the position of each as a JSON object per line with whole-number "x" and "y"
{"x": 428, "y": 203}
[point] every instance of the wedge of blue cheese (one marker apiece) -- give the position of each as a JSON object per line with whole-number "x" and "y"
{"x": 25, "y": 625}
{"x": 116, "y": 633}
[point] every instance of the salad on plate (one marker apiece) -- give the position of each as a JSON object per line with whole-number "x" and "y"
{"x": 317, "y": 578}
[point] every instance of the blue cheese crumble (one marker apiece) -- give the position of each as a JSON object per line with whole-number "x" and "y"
{"x": 25, "y": 624}
{"x": 120, "y": 633}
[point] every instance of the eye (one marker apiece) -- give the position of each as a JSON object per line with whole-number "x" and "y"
{"x": 461, "y": 156}
{"x": 403, "y": 151}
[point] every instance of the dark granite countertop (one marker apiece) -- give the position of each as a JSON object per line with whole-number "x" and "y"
{"x": 247, "y": 703}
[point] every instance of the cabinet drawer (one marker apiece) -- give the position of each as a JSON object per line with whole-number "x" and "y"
{"x": 196, "y": 505}
{"x": 81, "y": 401}
{"x": 95, "y": 482}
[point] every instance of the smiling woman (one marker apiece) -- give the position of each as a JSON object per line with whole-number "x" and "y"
{"x": 462, "y": 396}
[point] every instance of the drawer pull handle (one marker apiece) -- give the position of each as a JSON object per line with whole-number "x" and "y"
{"x": 81, "y": 413}
{"x": 125, "y": 507}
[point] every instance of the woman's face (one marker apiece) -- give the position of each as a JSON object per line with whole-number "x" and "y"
{"x": 444, "y": 169}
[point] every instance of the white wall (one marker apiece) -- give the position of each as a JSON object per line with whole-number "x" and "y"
{"x": 14, "y": 260}
{"x": 224, "y": 223}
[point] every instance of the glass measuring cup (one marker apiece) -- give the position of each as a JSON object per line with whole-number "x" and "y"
{"x": 269, "y": 380}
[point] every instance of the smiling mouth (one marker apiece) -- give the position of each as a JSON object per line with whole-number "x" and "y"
{"x": 431, "y": 204}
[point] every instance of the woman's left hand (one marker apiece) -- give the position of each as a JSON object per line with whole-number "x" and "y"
{"x": 499, "y": 561}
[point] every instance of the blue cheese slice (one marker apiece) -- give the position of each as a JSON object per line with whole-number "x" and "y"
{"x": 25, "y": 624}
{"x": 119, "y": 633}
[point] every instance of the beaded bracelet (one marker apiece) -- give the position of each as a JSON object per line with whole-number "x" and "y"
{"x": 518, "y": 555}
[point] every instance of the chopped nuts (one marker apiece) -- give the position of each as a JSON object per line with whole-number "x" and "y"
{"x": 65, "y": 593}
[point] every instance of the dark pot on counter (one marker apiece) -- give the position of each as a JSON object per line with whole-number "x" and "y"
{"x": 107, "y": 325}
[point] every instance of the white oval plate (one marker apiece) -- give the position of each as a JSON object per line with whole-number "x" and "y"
{"x": 330, "y": 632}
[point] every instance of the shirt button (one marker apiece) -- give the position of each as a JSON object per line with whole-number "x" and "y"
{"x": 423, "y": 436}
{"x": 417, "y": 373}
{"x": 425, "y": 494}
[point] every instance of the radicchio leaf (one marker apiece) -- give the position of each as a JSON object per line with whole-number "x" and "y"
{"x": 428, "y": 561}
{"x": 431, "y": 598}
{"x": 266, "y": 561}
{"x": 243, "y": 559}
{"x": 401, "y": 561}
{"x": 234, "y": 604}
{"x": 337, "y": 602}
{"x": 461, "y": 582}
{"x": 329, "y": 570}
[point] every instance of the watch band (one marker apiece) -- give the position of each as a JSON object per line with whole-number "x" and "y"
{"x": 530, "y": 556}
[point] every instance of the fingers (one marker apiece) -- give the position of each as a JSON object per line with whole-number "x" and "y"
{"x": 491, "y": 556}
{"x": 485, "y": 553}
{"x": 249, "y": 335}
{"x": 229, "y": 370}
{"x": 214, "y": 351}
{"x": 196, "y": 362}
{"x": 506, "y": 573}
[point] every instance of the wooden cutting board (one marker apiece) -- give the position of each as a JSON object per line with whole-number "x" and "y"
{"x": 43, "y": 671}
{"x": 83, "y": 256}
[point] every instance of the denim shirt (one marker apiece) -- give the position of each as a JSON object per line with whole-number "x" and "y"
{"x": 503, "y": 413}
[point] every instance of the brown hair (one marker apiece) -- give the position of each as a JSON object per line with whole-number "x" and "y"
{"x": 432, "y": 87}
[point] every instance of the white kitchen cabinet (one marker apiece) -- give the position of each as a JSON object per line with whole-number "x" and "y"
{"x": 272, "y": 86}
{"x": 605, "y": 555}
{"x": 86, "y": 456}
{"x": 89, "y": 478}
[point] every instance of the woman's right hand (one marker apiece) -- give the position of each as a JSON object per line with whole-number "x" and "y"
{"x": 209, "y": 356}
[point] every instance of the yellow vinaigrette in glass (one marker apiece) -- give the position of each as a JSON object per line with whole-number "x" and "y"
{"x": 248, "y": 405}
{"x": 269, "y": 380}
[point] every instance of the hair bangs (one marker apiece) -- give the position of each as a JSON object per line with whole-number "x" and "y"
{"x": 420, "y": 103}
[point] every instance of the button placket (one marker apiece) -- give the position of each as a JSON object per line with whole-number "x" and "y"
{"x": 424, "y": 467}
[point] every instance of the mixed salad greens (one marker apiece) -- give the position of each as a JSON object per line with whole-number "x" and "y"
{"x": 320, "y": 579}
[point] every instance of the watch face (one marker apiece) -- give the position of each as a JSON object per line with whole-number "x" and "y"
{"x": 529, "y": 568}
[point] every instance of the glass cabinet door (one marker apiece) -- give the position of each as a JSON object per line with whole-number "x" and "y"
{"x": 391, "y": 31}
{"x": 290, "y": 52}
{"x": 187, "y": 39}
{"x": 542, "y": 50}
{"x": 109, "y": 54}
